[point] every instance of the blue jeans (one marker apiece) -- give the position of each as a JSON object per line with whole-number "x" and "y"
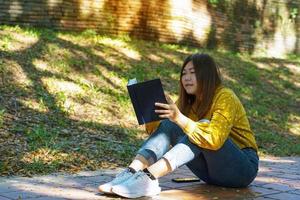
{"x": 228, "y": 166}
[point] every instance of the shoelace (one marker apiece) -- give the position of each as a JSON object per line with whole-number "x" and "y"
{"x": 141, "y": 175}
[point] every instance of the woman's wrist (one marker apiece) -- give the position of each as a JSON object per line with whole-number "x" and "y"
{"x": 181, "y": 121}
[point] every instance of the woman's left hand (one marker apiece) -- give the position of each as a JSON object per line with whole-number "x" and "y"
{"x": 169, "y": 110}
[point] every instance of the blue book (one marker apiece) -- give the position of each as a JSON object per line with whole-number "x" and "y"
{"x": 143, "y": 97}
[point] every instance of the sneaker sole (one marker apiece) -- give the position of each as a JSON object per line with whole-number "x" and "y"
{"x": 136, "y": 195}
{"x": 105, "y": 191}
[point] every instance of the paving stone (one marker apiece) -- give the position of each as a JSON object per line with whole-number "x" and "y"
{"x": 278, "y": 186}
{"x": 287, "y": 196}
{"x": 98, "y": 179}
{"x": 91, "y": 187}
{"x": 206, "y": 192}
{"x": 99, "y": 172}
{"x": 278, "y": 178}
{"x": 4, "y": 198}
{"x": 260, "y": 191}
{"x": 262, "y": 180}
{"x": 288, "y": 176}
{"x": 292, "y": 183}
{"x": 6, "y": 187}
{"x": 21, "y": 195}
{"x": 171, "y": 184}
{"x": 295, "y": 192}
{"x": 46, "y": 198}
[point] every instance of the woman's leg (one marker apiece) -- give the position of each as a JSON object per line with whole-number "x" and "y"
{"x": 229, "y": 166}
{"x": 152, "y": 149}
{"x": 166, "y": 135}
{"x": 184, "y": 152}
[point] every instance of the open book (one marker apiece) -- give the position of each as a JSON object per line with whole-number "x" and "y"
{"x": 143, "y": 97}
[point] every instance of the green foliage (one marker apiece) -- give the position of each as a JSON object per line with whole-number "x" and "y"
{"x": 75, "y": 113}
{"x": 214, "y": 2}
{"x": 273, "y": 141}
{"x": 39, "y": 136}
{"x": 252, "y": 74}
{"x": 294, "y": 13}
{"x": 2, "y": 112}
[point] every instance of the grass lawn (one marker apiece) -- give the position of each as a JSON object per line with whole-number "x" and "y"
{"x": 64, "y": 104}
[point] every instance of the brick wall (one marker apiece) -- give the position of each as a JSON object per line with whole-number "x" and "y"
{"x": 240, "y": 25}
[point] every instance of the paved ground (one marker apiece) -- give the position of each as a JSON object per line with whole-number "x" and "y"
{"x": 279, "y": 178}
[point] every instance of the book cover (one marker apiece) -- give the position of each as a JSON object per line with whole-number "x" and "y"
{"x": 143, "y": 97}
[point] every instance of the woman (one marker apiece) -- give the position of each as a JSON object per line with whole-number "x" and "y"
{"x": 207, "y": 129}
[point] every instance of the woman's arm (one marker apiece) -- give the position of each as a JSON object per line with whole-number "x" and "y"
{"x": 210, "y": 135}
{"x": 172, "y": 112}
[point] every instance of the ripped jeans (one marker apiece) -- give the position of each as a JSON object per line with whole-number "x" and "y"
{"x": 228, "y": 166}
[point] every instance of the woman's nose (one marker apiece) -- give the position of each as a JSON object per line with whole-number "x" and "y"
{"x": 187, "y": 78}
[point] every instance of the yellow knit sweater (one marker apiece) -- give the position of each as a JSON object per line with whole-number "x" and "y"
{"x": 226, "y": 118}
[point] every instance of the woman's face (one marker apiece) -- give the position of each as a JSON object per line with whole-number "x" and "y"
{"x": 188, "y": 78}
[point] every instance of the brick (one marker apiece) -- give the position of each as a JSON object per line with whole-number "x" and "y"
{"x": 21, "y": 195}
{"x": 260, "y": 191}
{"x": 287, "y": 196}
{"x": 295, "y": 192}
{"x": 6, "y": 187}
{"x": 171, "y": 184}
{"x": 278, "y": 186}
{"x": 45, "y": 198}
{"x": 3, "y": 198}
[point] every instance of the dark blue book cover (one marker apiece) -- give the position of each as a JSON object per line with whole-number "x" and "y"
{"x": 143, "y": 97}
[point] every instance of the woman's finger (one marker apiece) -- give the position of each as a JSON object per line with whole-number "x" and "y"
{"x": 162, "y": 111}
{"x": 166, "y": 106}
{"x": 164, "y": 116}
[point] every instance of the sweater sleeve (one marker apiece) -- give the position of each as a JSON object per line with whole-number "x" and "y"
{"x": 212, "y": 134}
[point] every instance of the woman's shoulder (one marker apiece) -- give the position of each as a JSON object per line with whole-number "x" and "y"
{"x": 224, "y": 92}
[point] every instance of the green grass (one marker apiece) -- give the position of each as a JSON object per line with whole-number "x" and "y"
{"x": 64, "y": 104}
{"x": 2, "y": 112}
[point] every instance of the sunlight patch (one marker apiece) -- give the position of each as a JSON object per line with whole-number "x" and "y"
{"x": 17, "y": 74}
{"x": 227, "y": 77}
{"x": 55, "y": 191}
{"x": 111, "y": 78}
{"x": 155, "y": 58}
{"x": 40, "y": 64}
{"x": 38, "y": 105}
{"x": 276, "y": 160}
{"x": 121, "y": 47}
{"x": 294, "y": 124}
{"x": 54, "y": 85}
{"x": 15, "y": 41}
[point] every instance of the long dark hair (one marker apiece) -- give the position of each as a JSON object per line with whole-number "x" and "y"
{"x": 208, "y": 80}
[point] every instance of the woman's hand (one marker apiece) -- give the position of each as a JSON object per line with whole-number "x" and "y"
{"x": 170, "y": 110}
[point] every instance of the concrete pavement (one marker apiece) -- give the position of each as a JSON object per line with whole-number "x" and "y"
{"x": 278, "y": 178}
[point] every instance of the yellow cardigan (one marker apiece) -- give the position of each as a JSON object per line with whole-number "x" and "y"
{"x": 226, "y": 118}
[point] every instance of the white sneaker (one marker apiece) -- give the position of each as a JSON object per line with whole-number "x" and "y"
{"x": 123, "y": 176}
{"x": 137, "y": 185}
